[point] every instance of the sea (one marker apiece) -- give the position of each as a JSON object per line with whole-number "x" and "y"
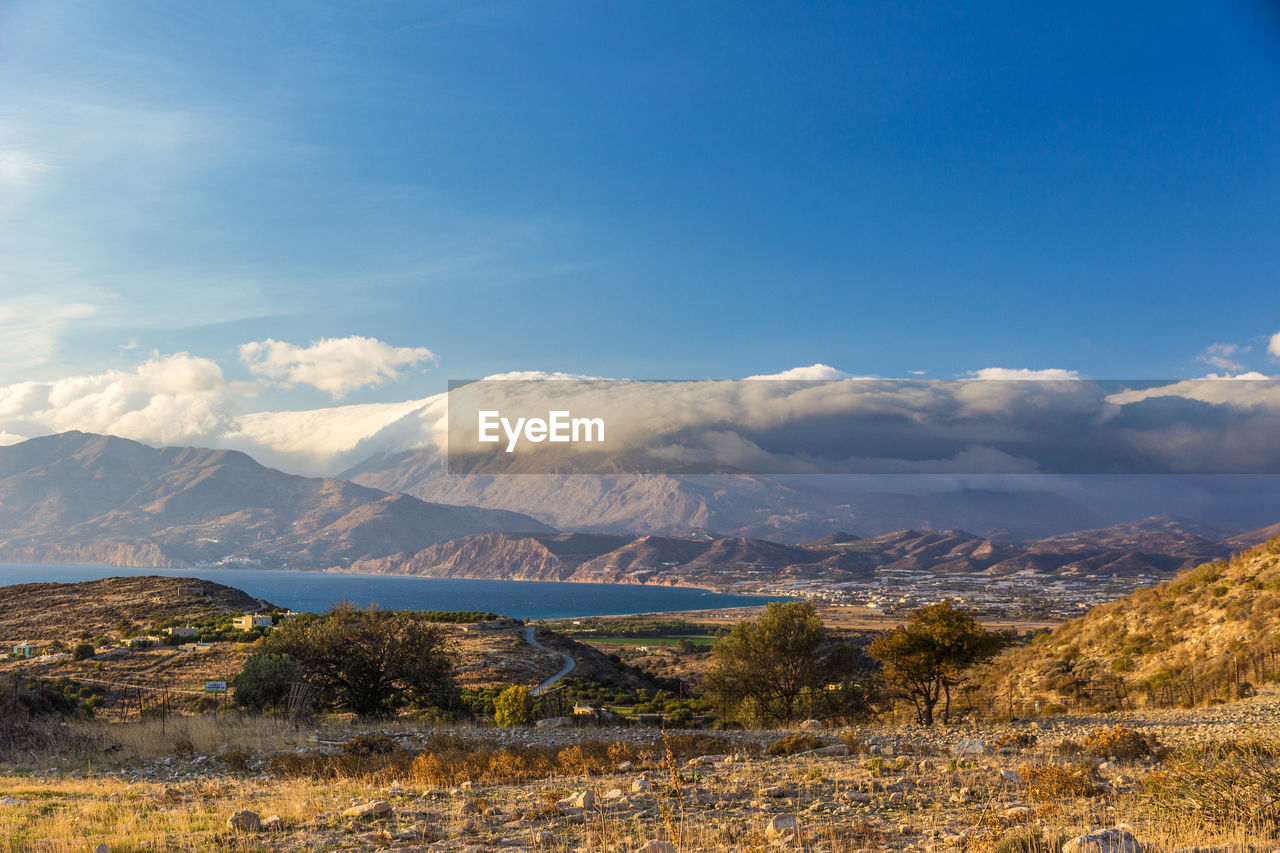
{"x": 318, "y": 591}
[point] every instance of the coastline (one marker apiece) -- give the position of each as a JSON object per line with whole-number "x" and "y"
{"x": 532, "y": 599}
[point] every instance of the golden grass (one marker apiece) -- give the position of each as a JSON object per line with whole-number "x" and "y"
{"x": 67, "y": 814}
{"x": 703, "y": 808}
{"x": 206, "y": 735}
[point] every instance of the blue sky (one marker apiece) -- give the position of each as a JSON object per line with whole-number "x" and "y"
{"x": 645, "y": 190}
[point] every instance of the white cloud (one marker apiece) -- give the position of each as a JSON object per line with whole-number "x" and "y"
{"x": 1273, "y": 347}
{"x": 1223, "y": 356}
{"x": 323, "y": 441}
{"x": 964, "y": 426}
{"x": 813, "y": 372}
{"x": 531, "y": 375}
{"x": 334, "y": 365}
{"x": 1052, "y": 373}
{"x": 1248, "y": 374}
{"x": 165, "y": 400}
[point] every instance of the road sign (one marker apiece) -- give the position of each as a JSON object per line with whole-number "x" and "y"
{"x": 215, "y": 687}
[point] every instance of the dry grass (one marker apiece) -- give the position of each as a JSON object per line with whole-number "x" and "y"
{"x": 1230, "y": 785}
{"x": 66, "y": 815}
{"x": 206, "y": 735}
{"x": 448, "y": 760}
{"x": 513, "y": 790}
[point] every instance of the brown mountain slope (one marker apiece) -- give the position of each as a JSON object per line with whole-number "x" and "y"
{"x": 77, "y": 497}
{"x": 1202, "y": 636}
{"x": 1253, "y": 538}
{"x": 43, "y": 612}
{"x": 1151, "y": 548}
{"x": 600, "y": 558}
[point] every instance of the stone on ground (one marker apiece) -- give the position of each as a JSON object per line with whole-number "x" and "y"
{"x": 656, "y": 846}
{"x": 782, "y": 825}
{"x": 1104, "y": 841}
{"x": 377, "y": 808}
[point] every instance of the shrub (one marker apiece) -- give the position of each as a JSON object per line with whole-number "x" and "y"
{"x": 82, "y": 651}
{"x": 792, "y": 744}
{"x": 264, "y": 681}
{"x": 368, "y": 745}
{"x": 513, "y": 707}
{"x": 1117, "y": 742}
{"x": 680, "y": 718}
{"x": 1056, "y": 782}
{"x": 1018, "y": 740}
{"x": 1070, "y": 748}
{"x": 237, "y": 760}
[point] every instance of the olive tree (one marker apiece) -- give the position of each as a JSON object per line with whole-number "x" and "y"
{"x": 777, "y": 667}
{"x": 368, "y": 661}
{"x": 264, "y": 681}
{"x": 928, "y": 656}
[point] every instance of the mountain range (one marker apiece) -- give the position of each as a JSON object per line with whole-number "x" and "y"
{"x": 1156, "y": 546}
{"x": 83, "y": 498}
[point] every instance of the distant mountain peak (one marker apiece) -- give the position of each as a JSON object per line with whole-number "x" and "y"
{"x": 83, "y": 498}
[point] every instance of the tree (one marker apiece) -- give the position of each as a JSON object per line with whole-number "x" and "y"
{"x": 763, "y": 668}
{"x": 513, "y": 707}
{"x": 368, "y": 661}
{"x": 82, "y": 651}
{"x": 925, "y": 658}
{"x": 264, "y": 681}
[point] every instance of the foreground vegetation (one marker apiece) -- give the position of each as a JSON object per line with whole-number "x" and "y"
{"x": 826, "y": 741}
{"x": 376, "y": 785}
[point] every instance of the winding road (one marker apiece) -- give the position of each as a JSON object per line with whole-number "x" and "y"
{"x": 569, "y": 663}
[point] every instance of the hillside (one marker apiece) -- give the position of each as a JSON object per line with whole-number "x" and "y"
{"x": 1212, "y": 632}
{"x": 490, "y": 653}
{"x": 1151, "y": 548}
{"x": 81, "y": 498}
{"x": 44, "y": 612}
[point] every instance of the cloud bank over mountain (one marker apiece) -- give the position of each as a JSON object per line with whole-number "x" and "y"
{"x": 805, "y": 420}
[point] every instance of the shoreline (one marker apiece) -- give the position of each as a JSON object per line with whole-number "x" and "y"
{"x": 47, "y": 573}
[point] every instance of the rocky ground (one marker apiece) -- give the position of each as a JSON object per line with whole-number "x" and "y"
{"x": 962, "y": 787}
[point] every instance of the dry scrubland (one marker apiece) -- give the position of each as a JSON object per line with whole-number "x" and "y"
{"x": 1205, "y": 778}
{"x": 1211, "y": 633}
